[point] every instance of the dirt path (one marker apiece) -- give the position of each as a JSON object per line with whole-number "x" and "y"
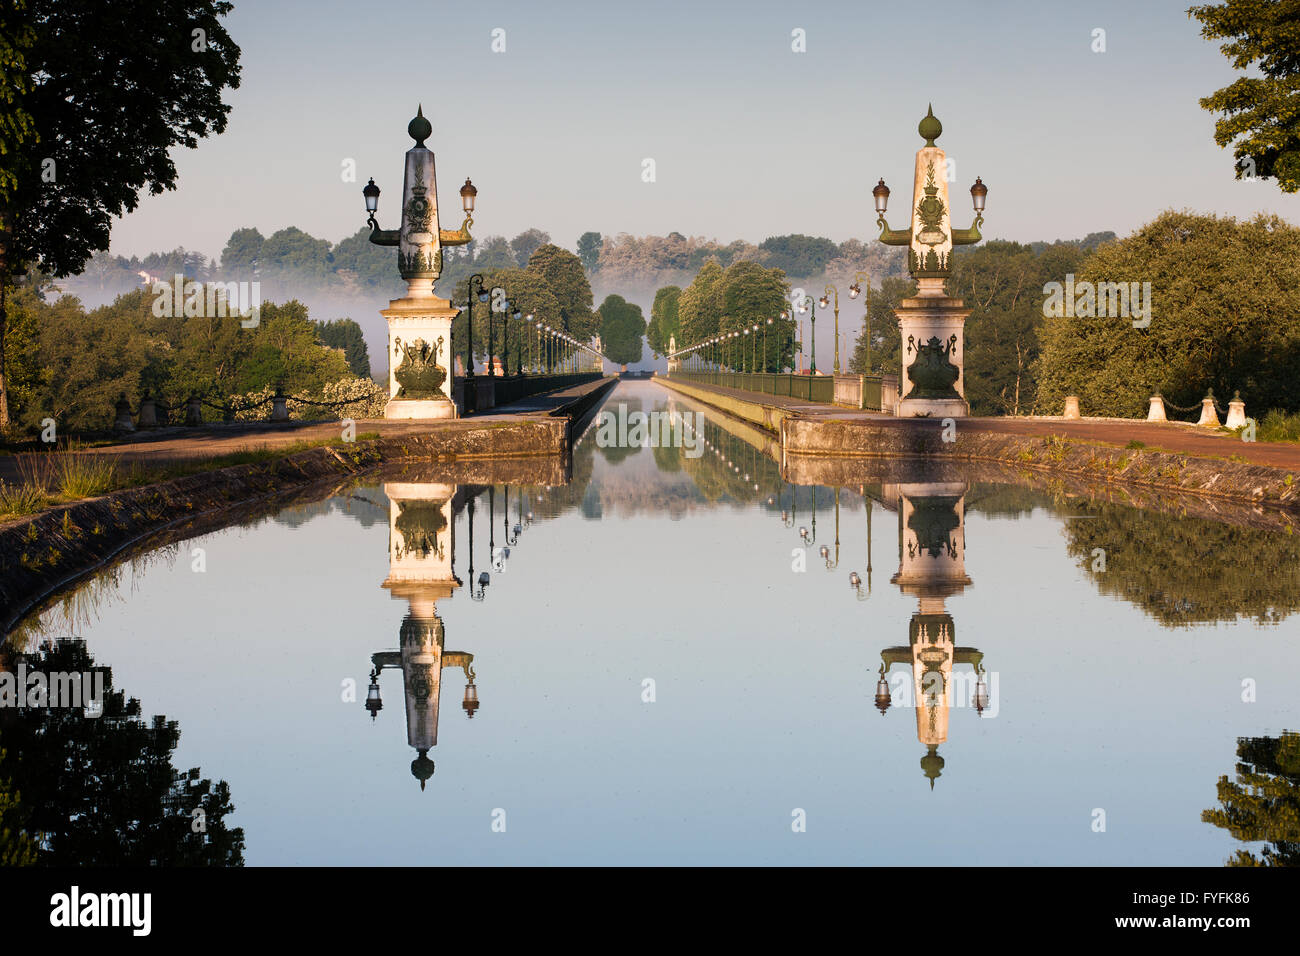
{"x": 180, "y": 445}
{"x": 1174, "y": 437}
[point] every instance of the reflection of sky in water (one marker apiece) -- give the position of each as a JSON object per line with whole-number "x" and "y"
{"x": 764, "y": 679}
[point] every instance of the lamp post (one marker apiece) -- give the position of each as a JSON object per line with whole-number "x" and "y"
{"x": 854, "y": 291}
{"x": 801, "y": 306}
{"x": 765, "y": 362}
{"x": 419, "y": 348}
{"x": 471, "y": 389}
{"x": 931, "y": 325}
{"x": 825, "y": 301}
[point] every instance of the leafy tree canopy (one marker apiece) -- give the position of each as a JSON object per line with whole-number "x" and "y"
{"x": 1225, "y": 315}
{"x": 621, "y": 329}
{"x": 1259, "y": 115}
{"x": 105, "y": 109}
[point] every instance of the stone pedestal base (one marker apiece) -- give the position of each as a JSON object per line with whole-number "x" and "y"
{"x": 933, "y": 320}
{"x": 933, "y": 408}
{"x": 425, "y": 408}
{"x": 420, "y": 316}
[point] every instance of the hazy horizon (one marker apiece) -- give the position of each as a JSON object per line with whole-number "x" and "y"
{"x": 749, "y": 138}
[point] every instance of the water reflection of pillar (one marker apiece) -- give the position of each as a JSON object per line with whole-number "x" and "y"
{"x": 421, "y": 543}
{"x": 932, "y": 565}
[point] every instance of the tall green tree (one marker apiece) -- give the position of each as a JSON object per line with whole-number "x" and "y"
{"x": 346, "y": 334}
{"x": 522, "y": 288}
{"x": 699, "y": 308}
{"x": 621, "y": 329}
{"x": 242, "y": 256}
{"x": 107, "y": 108}
{"x": 564, "y": 276}
{"x": 589, "y": 244}
{"x": 883, "y": 343}
{"x": 664, "y": 323}
{"x": 526, "y": 243}
{"x": 750, "y": 294}
{"x": 1225, "y": 315}
{"x": 1259, "y": 115}
{"x": 1002, "y": 284}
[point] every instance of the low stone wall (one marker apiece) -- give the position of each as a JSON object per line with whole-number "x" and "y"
{"x": 1261, "y": 485}
{"x": 860, "y": 442}
{"x": 765, "y": 416}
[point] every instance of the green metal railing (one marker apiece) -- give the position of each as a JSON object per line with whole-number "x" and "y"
{"x": 811, "y": 388}
{"x": 514, "y": 387}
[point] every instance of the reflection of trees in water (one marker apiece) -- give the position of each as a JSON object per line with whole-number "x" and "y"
{"x": 366, "y": 507}
{"x": 103, "y": 791}
{"x": 1263, "y": 804}
{"x": 1185, "y": 570}
{"x": 718, "y": 481}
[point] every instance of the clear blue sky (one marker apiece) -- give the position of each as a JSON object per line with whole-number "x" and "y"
{"x": 749, "y": 138}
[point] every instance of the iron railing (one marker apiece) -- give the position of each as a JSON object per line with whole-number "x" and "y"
{"x": 811, "y": 388}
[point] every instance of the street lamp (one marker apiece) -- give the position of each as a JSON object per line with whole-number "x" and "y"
{"x": 854, "y": 291}
{"x": 802, "y": 308}
{"x": 471, "y": 390}
{"x": 824, "y": 301}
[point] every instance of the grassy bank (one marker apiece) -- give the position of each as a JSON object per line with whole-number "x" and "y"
{"x": 72, "y": 473}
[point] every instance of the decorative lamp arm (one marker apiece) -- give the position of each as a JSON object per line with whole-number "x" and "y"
{"x": 383, "y": 237}
{"x": 460, "y": 237}
{"x": 968, "y": 237}
{"x": 893, "y": 237}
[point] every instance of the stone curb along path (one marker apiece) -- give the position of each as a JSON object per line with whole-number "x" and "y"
{"x": 840, "y": 434}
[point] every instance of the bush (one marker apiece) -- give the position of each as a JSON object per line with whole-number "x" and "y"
{"x": 1278, "y": 425}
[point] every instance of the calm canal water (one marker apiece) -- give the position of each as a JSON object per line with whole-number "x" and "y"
{"x": 666, "y": 673}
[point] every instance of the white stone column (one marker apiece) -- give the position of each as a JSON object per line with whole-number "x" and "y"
{"x": 419, "y": 335}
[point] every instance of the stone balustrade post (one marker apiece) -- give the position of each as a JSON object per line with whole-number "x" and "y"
{"x": 148, "y": 412}
{"x": 1156, "y": 413}
{"x": 122, "y": 412}
{"x": 1072, "y": 407}
{"x": 1236, "y": 412}
{"x": 1209, "y": 417}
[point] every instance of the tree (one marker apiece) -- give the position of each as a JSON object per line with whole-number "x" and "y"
{"x": 621, "y": 329}
{"x": 885, "y": 343}
{"x": 1263, "y": 804}
{"x": 1260, "y": 115}
{"x": 699, "y": 308}
{"x": 346, "y": 334}
{"x": 524, "y": 289}
{"x": 663, "y": 320}
{"x": 799, "y": 255}
{"x": 102, "y": 791}
{"x": 106, "y": 110}
{"x": 17, "y": 128}
{"x": 564, "y": 276}
{"x": 526, "y": 243}
{"x": 1226, "y": 315}
{"x": 749, "y": 295}
{"x": 242, "y": 257}
{"x": 1002, "y": 284}
{"x": 589, "y": 244}
{"x": 295, "y": 259}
